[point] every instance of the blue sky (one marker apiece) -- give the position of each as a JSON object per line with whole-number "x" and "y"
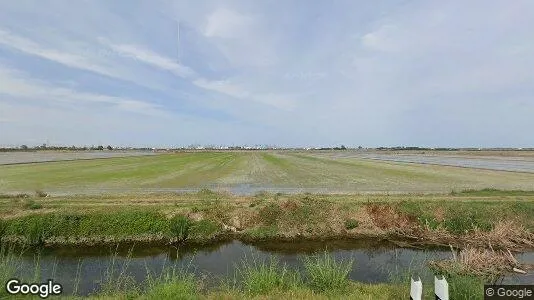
{"x": 294, "y": 73}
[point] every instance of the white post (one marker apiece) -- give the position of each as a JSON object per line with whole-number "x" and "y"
{"x": 416, "y": 289}
{"x": 441, "y": 288}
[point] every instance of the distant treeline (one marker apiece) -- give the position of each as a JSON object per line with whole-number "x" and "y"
{"x": 244, "y": 148}
{"x": 419, "y": 148}
{"x": 335, "y": 148}
{"x": 68, "y": 148}
{"x": 399, "y": 148}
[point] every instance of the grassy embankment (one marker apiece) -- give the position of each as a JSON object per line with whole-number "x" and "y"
{"x": 476, "y": 218}
{"x": 471, "y": 219}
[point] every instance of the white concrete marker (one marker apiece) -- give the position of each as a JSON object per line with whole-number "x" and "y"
{"x": 441, "y": 288}
{"x": 416, "y": 289}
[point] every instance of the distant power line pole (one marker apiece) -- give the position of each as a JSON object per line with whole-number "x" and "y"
{"x": 178, "y": 41}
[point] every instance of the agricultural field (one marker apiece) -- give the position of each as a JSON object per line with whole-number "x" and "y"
{"x": 251, "y": 172}
{"x": 317, "y": 224}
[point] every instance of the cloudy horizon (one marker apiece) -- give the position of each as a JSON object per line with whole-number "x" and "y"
{"x": 289, "y": 73}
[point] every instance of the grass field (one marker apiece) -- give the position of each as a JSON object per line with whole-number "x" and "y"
{"x": 268, "y": 170}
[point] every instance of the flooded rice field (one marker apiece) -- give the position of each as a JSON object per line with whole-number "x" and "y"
{"x": 9, "y": 158}
{"x": 85, "y": 269}
{"x": 246, "y": 173}
{"x": 515, "y": 164}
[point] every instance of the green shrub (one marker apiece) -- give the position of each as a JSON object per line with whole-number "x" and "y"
{"x": 37, "y": 228}
{"x": 124, "y": 223}
{"x": 325, "y": 274}
{"x": 204, "y": 229}
{"x": 460, "y": 223}
{"x": 30, "y": 204}
{"x": 351, "y": 224}
{"x": 179, "y": 227}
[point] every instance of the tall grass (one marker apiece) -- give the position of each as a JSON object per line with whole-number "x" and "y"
{"x": 36, "y": 229}
{"x": 325, "y": 274}
{"x": 173, "y": 284}
{"x": 75, "y": 228}
{"x": 262, "y": 276}
{"x": 11, "y": 266}
{"x": 3, "y": 227}
{"x": 180, "y": 227}
{"x": 8, "y": 266}
{"x": 463, "y": 287}
{"x": 116, "y": 278}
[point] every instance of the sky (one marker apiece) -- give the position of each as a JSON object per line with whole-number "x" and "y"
{"x": 264, "y": 72}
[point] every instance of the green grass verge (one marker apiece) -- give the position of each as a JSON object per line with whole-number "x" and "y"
{"x": 40, "y": 228}
{"x": 460, "y": 217}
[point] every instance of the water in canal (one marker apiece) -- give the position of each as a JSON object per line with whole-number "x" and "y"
{"x": 84, "y": 268}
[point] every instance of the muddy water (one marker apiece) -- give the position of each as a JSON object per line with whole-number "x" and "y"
{"x": 84, "y": 269}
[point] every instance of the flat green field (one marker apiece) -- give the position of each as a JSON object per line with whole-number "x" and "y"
{"x": 258, "y": 170}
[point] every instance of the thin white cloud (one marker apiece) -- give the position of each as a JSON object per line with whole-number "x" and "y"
{"x": 18, "y": 84}
{"x": 222, "y": 86}
{"x": 149, "y": 57}
{"x": 27, "y": 46}
{"x": 94, "y": 57}
{"x": 226, "y": 87}
{"x": 279, "y": 101}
